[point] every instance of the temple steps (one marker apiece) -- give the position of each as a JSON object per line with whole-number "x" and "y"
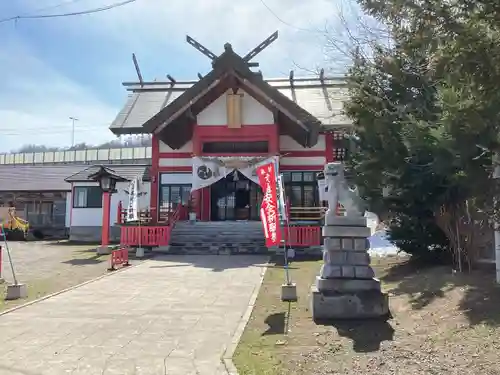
{"x": 227, "y": 237}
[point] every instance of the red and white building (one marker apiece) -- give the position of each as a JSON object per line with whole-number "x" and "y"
{"x": 209, "y": 134}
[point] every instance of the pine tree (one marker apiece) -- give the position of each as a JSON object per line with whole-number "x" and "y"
{"x": 426, "y": 110}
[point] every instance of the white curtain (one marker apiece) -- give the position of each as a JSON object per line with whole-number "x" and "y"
{"x": 249, "y": 171}
{"x": 322, "y": 189}
{"x": 208, "y": 170}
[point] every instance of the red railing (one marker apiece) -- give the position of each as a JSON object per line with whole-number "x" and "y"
{"x": 146, "y": 216}
{"x": 150, "y": 235}
{"x": 303, "y": 236}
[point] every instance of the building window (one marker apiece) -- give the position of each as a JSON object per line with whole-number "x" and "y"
{"x": 301, "y": 189}
{"x": 172, "y": 195}
{"x": 87, "y": 197}
{"x": 235, "y": 147}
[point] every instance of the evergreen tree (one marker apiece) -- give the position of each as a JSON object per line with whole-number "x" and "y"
{"x": 425, "y": 109}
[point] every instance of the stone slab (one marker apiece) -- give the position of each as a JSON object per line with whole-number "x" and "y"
{"x": 16, "y": 291}
{"x": 363, "y": 272}
{"x": 345, "y": 221}
{"x": 356, "y": 305}
{"x": 346, "y": 271}
{"x": 348, "y": 243}
{"x": 346, "y": 285}
{"x": 176, "y": 311}
{"x": 289, "y": 292}
{"x": 338, "y": 231}
{"x": 104, "y": 250}
{"x": 358, "y": 258}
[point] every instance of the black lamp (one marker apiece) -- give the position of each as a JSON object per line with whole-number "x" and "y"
{"x": 107, "y": 179}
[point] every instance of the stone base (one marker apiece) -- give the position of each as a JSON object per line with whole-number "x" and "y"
{"x": 2, "y": 280}
{"x": 346, "y": 285}
{"x": 356, "y": 305}
{"x": 104, "y": 250}
{"x": 139, "y": 252}
{"x": 16, "y": 292}
{"x": 289, "y": 292}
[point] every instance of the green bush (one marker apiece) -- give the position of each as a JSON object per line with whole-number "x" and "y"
{"x": 419, "y": 237}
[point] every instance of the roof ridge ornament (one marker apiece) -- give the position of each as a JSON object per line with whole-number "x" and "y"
{"x": 261, "y": 47}
{"x": 229, "y": 48}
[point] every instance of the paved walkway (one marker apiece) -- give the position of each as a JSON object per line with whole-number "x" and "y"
{"x": 170, "y": 316}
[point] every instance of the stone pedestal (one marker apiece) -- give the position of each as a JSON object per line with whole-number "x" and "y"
{"x": 346, "y": 287}
{"x": 139, "y": 252}
{"x": 16, "y": 291}
{"x": 289, "y": 292}
{"x": 104, "y": 250}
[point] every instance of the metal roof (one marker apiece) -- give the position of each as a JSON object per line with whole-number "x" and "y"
{"x": 128, "y": 172}
{"x": 321, "y": 98}
{"x": 36, "y": 177}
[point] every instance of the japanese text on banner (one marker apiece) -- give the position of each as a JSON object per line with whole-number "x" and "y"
{"x": 269, "y": 208}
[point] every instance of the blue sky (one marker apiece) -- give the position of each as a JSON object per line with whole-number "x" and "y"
{"x": 74, "y": 66}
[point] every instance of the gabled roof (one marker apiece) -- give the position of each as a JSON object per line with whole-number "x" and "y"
{"x": 128, "y": 172}
{"x": 170, "y": 110}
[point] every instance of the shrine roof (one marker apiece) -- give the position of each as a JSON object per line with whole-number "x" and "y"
{"x": 323, "y": 100}
{"x": 300, "y": 106}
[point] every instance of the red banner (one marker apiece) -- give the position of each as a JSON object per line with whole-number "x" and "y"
{"x": 269, "y": 213}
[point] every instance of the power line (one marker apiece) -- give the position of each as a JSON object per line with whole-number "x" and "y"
{"x": 57, "y": 5}
{"x": 83, "y": 12}
{"x": 57, "y": 127}
{"x": 285, "y": 22}
{"x": 53, "y": 130}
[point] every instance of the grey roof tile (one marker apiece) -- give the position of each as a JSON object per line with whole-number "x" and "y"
{"x": 36, "y": 177}
{"x": 128, "y": 172}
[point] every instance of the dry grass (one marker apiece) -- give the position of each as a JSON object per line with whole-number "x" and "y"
{"x": 443, "y": 323}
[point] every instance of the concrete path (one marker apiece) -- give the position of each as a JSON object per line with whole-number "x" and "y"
{"x": 173, "y": 315}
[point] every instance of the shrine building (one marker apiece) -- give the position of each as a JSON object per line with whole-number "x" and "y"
{"x": 209, "y": 134}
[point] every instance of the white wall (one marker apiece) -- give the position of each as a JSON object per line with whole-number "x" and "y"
{"x": 303, "y": 160}
{"x": 176, "y": 178}
{"x": 253, "y": 113}
{"x": 92, "y": 217}
{"x": 69, "y": 205}
{"x": 175, "y": 162}
{"x": 287, "y": 143}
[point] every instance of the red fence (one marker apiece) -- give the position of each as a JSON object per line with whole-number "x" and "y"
{"x": 303, "y": 236}
{"x": 149, "y": 235}
{"x": 119, "y": 257}
{"x": 144, "y": 236}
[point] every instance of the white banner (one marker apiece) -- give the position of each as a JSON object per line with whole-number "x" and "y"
{"x": 322, "y": 190}
{"x": 133, "y": 200}
{"x": 281, "y": 197}
{"x": 250, "y": 170}
{"x": 208, "y": 170}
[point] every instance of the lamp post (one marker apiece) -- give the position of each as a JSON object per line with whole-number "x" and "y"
{"x": 107, "y": 180}
{"x": 73, "y": 119}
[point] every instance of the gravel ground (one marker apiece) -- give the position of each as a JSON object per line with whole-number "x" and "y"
{"x": 48, "y": 267}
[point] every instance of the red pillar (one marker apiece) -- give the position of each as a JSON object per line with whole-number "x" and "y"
{"x": 106, "y": 206}
{"x": 329, "y": 145}
{"x": 155, "y": 176}
{"x": 119, "y": 213}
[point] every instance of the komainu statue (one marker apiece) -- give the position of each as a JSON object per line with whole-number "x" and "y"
{"x": 338, "y": 191}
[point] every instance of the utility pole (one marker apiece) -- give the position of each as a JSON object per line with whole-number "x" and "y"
{"x": 73, "y": 119}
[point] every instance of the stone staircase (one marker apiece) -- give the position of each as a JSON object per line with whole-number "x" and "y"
{"x": 225, "y": 237}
